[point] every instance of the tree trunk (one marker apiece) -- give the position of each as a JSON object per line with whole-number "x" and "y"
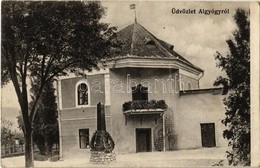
{"x": 48, "y": 150}
{"x": 29, "y": 149}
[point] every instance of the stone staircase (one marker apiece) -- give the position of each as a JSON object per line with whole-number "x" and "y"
{"x": 158, "y": 138}
{"x": 158, "y": 134}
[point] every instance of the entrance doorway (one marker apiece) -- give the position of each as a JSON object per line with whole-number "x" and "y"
{"x": 208, "y": 135}
{"x": 143, "y": 140}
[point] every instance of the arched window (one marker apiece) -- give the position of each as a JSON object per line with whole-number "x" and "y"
{"x": 182, "y": 85}
{"x": 82, "y": 91}
{"x": 189, "y": 86}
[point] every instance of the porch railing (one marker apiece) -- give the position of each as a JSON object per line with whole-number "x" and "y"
{"x": 144, "y": 104}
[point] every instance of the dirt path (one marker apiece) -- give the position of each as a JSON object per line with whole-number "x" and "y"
{"x": 182, "y": 158}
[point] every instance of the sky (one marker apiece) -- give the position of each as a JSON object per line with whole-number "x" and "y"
{"x": 196, "y": 37}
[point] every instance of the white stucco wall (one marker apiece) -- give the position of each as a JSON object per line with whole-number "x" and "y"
{"x": 195, "y": 109}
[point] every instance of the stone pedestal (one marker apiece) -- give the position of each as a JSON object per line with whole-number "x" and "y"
{"x": 101, "y": 143}
{"x": 100, "y": 157}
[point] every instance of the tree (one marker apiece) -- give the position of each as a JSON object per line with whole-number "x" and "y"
{"x": 7, "y": 137}
{"x": 45, "y": 124}
{"x": 44, "y": 40}
{"x": 45, "y": 133}
{"x": 236, "y": 64}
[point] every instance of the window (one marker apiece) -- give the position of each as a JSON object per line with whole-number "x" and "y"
{"x": 83, "y": 138}
{"x": 139, "y": 93}
{"x": 189, "y": 86}
{"x": 208, "y": 134}
{"x": 149, "y": 41}
{"x": 182, "y": 86}
{"x": 82, "y": 94}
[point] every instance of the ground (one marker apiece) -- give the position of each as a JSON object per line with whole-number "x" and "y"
{"x": 181, "y": 158}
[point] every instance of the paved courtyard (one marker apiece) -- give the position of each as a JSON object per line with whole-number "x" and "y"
{"x": 182, "y": 158}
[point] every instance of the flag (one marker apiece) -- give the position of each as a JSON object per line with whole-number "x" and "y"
{"x": 132, "y": 6}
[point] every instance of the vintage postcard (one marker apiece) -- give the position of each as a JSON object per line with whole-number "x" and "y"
{"x": 130, "y": 84}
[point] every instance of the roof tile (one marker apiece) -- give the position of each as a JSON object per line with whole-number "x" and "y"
{"x": 139, "y": 42}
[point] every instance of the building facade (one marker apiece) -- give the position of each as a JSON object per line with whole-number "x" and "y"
{"x": 152, "y": 100}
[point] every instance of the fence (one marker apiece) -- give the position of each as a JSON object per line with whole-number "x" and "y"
{"x": 18, "y": 150}
{"x": 12, "y": 150}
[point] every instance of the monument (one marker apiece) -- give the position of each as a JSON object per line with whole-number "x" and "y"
{"x": 101, "y": 143}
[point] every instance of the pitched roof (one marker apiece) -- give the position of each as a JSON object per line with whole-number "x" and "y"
{"x": 139, "y": 42}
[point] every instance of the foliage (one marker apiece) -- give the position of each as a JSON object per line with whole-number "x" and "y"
{"x": 42, "y": 40}
{"x": 237, "y": 67}
{"x": 54, "y": 158}
{"x": 46, "y": 132}
{"x": 7, "y": 137}
{"x": 5, "y": 79}
{"x": 40, "y": 157}
{"x": 144, "y": 104}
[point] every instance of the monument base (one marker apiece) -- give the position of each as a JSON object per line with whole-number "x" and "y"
{"x": 100, "y": 157}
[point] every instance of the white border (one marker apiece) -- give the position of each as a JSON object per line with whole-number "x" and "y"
{"x": 254, "y": 80}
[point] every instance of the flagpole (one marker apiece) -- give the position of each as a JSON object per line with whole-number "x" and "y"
{"x": 132, "y": 6}
{"x": 135, "y": 16}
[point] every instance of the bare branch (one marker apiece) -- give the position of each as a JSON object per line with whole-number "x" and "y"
{"x": 34, "y": 107}
{"x": 43, "y": 67}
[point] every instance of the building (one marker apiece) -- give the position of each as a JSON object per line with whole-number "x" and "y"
{"x": 152, "y": 100}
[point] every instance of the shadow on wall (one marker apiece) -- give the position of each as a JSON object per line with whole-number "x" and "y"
{"x": 170, "y": 137}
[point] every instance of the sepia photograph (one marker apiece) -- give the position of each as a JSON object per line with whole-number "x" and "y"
{"x": 127, "y": 84}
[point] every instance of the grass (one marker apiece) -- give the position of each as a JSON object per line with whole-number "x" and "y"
{"x": 40, "y": 157}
